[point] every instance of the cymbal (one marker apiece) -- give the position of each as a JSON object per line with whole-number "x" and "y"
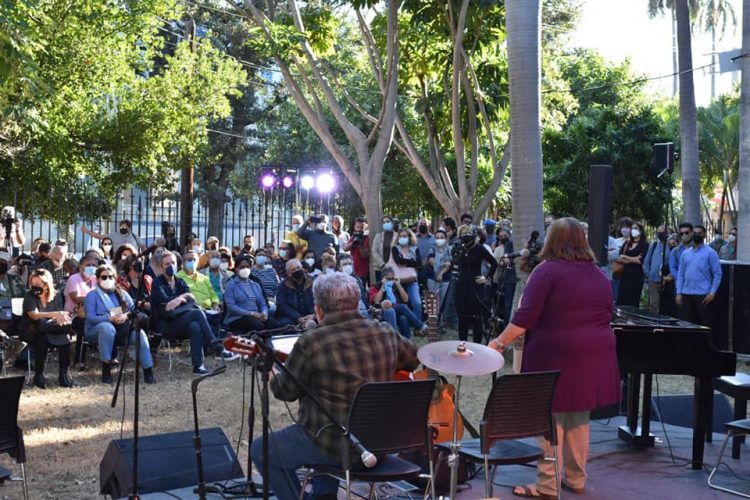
{"x": 460, "y": 358}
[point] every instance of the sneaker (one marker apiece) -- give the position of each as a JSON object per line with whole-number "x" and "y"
{"x": 200, "y": 370}
{"x": 227, "y": 355}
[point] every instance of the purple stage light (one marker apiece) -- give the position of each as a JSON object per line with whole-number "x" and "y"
{"x": 325, "y": 183}
{"x": 287, "y": 181}
{"x": 268, "y": 180}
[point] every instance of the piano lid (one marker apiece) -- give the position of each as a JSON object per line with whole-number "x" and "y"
{"x": 629, "y": 316}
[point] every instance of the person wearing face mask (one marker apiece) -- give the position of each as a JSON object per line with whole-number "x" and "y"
{"x": 121, "y": 255}
{"x": 624, "y": 224}
{"x": 196, "y": 246}
{"x": 46, "y": 323}
{"x": 469, "y": 255}
{"x": 129, "y": 280}
{"x": 314, "y": 232}
{"x": 248, "y": 245}
{"x": 246, "y": 305}
{"x": 698, "y": 279}
{"x": 294, "y": 298}
{"x": 346, "y": 266}
{"x": 167, "y": 295}
{"x": 286, "y": 252}
{"x": 382, "y": 244}
{"x": 505, "y": 276}
{"x": 218, "y": 273}
{"x": 358, "y": 247}
{"x": 212, "y": 243}
{"x": 405, "y": 259}
{"x": 78, "y": 286}
{"x": 199, "y": 284}
{"x": 169, "y": 232}
{"x": 685, "y": 233}
{"x": 654, "y": 265}
{"x": 632, "y": 256}
{"x": 439, "y": 259}
{"x": 55, "y": 267}
{"x": 311, "y": 264}
{"x": 107, "y": 251}
{"x": 337, "y": 228}
{"x": 11, "y": 287}
{"x": 425, "y": 244}
{"x": 120, "y": 237}
{"x": 264, "y": 273}
{"x": 490, "y": 226}
{"x": 728, "y": 250}
{"x": 108, "y": 323}
{"x": 300, "y": 245}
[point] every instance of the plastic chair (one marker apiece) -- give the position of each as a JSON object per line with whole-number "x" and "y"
{"x": 387, "y": 417}
{"x": 519, "y": 406}
{"x": 734, "y": 429}
{"x": 11, "y": 436}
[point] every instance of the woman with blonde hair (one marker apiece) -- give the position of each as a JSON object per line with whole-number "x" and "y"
{"x": 565, "y": 312}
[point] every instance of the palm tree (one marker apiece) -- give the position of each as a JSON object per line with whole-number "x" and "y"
{"x": 714, "y": 15}
{"x": 523, "y": 21}
{"x": 743, "y": 183}
{"x": 688, "y": 114}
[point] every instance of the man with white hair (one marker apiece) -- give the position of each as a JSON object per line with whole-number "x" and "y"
{"x": 333, "y": 360}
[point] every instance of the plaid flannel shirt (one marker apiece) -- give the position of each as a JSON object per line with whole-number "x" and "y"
{"x": 333, "y": 360}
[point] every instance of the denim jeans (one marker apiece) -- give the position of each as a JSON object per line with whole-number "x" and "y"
{"x": 193, "y": 325}
{"x": 415, "y": 300}
{"x": 402, "y": 319}
{"x": 289, "y": 449}
{"x": 104, "y": 334}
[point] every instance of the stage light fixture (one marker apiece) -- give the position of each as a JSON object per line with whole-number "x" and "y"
{"x": 325, "y": 183}
{"x": 307, "y": 182}
{"x": 268, "y": 180}
{"x": 287, "y": 181}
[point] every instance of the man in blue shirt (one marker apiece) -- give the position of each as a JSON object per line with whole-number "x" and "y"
{"x": 698, "y": 279}
{"x": 652, "y": 267}
{"x": 685, "y": 233}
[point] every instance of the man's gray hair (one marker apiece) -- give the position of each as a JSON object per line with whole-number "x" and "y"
{"x": 336, "y": 292}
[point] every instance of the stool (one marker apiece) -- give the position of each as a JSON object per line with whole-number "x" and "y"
{"x": 738, "y": 388}
{"x": 735, "y": 429}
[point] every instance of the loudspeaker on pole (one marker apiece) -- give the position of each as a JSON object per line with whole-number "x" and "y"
{"x": 599, "y": 209}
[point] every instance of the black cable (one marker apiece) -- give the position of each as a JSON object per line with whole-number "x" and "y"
{"x": 664, "y": 427}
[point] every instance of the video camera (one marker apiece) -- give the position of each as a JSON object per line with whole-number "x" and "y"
{"x": 7, "y": 219}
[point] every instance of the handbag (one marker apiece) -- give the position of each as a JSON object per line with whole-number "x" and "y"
{"x": 404, "y": 274}
{"x": 179, "y": 310}
{"x": 617, "y": 269}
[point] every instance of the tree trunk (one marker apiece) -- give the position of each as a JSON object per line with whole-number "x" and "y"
{"x": 523, "y": 21}
{"x": 215, "y": 199}
{"x": 743, "y": 183}
{"x": 688, "y": 119}
{"x": 372, "y": 202}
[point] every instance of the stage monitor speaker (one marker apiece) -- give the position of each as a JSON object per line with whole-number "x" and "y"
{"x": 729, "y": 313}
{"x": 664, "y": 157}
{"x": 600, "y": 200}
{"x": 166, "y": 462}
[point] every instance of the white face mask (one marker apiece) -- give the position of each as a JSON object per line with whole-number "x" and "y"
{"x": 244, "y": 273}
{"x": 347, "y": 269}
{"x": 310, "y": 262}
{"x": 214, "y": 262}
{"x": 224, "y": 266}
{"x": 321, "y": 226}
{"x": 267, "y": 266}
{"x": 635, "y": 233}
{"x": 107, "y": 285}
{"x": 197, "y": 249}
{"x": 731, "y": 238}
{"x": 440, "y": 242}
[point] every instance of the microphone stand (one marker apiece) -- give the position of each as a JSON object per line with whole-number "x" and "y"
{"x": 197, "y": 442}
{"x": 134, "y": 318}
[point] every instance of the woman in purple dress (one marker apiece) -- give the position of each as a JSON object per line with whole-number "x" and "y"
{"x": 565, "y": 312}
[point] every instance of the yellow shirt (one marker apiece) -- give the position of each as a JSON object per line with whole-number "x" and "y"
{"x": 300, "y": 245}
{"x": 200, "y": 287}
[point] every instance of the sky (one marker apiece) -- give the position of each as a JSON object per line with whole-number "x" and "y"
{"x": 619, "y": 29}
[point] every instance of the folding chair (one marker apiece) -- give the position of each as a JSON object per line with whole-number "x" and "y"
{"x": 735, "y": 429}
{"x": 387, "y": 417}
{"x": 519, "y": 406}
{"x": 11, "y": 436}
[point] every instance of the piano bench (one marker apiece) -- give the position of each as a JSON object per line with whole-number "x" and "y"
{"x": 738, "y": 388}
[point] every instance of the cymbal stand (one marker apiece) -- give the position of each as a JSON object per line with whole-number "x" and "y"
{"x": 453, "y": 458}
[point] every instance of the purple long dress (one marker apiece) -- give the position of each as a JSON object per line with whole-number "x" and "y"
{"x": 566, "y": 309}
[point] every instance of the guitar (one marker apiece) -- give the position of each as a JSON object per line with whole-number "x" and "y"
{"x": 442, "y": 407}
{"x": 248, "y": 348}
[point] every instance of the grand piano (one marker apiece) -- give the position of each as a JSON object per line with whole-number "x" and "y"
{"x": 649, "y": 344}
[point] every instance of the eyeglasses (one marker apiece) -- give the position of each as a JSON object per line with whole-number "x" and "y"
{"x": 105, "y": 278}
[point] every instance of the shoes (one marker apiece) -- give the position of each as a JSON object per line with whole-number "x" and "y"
{"x": 227, "y": 355}
{"x": 65, "y": 379}
{"x": 106, "y": 373}
{"x": 39, "y": 381}
{"x": 200, "y": 370}
{"x": 148, "y": 376}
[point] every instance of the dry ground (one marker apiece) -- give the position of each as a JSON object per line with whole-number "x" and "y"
{"x": 67, "y": 430}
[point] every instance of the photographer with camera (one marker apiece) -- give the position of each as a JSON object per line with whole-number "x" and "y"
{"x": 358, "y": 247}
{"x": 12, "y": 238}
{"x": 315, "y": 232}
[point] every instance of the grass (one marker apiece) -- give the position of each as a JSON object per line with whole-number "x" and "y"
{"x": 67, "y": 430}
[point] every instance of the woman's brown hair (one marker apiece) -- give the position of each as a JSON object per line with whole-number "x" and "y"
{"x": 566, "y": 240}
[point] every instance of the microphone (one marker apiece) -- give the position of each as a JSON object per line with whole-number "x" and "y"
{"x": 213, "y": 373}
{"x": 368, "y": 459}
{"x": 522, "y": 253}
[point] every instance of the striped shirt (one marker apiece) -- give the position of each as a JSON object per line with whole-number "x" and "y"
{"x": 269, "y": 280}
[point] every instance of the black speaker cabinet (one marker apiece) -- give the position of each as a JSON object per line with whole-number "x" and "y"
{"x": 730, "y": 311}
{"x": 600, "y": 199}
{"x": 664, "y": 157}
{"x": 166, "y": 462}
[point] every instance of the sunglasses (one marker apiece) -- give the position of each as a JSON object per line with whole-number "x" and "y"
{"x": 684, "y": 232}
{"x": 105, "y": 278}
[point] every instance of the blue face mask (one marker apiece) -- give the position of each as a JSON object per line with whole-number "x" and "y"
{"x": 89, "y": 271}
{"x": 388, "y": 226}
{"x": 282, "y": 253}
{"x": 403, "y": 241}
{"x": 260, "y": 259}
{"x": 189, "y": 266}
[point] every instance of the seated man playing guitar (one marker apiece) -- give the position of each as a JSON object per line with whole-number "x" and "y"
{"x": 333, "y": 360}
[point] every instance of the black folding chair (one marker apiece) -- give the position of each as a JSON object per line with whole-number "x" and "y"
{"x": 519, "y": 406}
{"x": 11, "y": 436}
{"x": 387, "y": 418}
